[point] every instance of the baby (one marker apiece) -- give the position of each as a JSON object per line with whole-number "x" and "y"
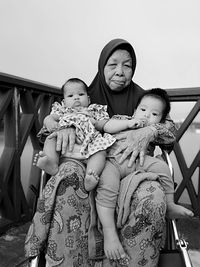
{"x": 88, "y": 120}
{"x": 152, "y": 108}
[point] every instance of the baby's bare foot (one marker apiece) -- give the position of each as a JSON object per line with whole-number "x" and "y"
{"x": 112, "y": 246}
{"x": 175, "y": 211}
{"x": 42, "y": 161}
{"x": 91, "y": 180}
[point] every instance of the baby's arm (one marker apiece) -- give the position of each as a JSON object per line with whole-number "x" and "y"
{"x": 114, "y": 126}
{"x": 51, "y": 122}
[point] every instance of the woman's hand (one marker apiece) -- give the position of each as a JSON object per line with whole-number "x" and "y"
{"x": 65, "y": 139}
{"x": 135, "y": 144}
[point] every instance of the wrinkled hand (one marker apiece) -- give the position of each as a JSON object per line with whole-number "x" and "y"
{"x": 135, "y": 144}
{"x": 65, "y": 139}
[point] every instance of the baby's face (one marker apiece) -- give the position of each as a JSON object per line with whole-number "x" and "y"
{"x": 149, "y": 110}
{"x": 75, "y": 95}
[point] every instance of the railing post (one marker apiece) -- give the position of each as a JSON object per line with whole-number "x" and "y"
{"x": 17, "y": 164}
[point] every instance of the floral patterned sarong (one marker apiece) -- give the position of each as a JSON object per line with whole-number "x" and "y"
{"x": 61, "y": 223}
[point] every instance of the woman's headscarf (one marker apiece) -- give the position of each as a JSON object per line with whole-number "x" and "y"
{"x": 122, "y": 102}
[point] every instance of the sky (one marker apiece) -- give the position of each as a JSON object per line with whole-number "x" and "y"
{"x": 49, "y": 41}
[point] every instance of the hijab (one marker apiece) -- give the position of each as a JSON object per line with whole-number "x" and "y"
{"x": 121, "y": 102}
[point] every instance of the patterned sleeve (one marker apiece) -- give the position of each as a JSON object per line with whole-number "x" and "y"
{"x": 58, "y": 108}
{"x": 99, "y": 112}
{"x": 165, "y": 133}
{"x": 121, "y": 117}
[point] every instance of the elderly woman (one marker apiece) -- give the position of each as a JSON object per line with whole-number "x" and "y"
{"x": 65, "y": 225}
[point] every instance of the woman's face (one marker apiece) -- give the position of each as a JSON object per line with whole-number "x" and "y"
{"x": 118, "y": 70}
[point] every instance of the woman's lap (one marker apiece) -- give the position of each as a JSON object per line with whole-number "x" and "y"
{"x": 69, "y": 241}
{"x": 67, "y": 230}
{"x": 66, "y": 223}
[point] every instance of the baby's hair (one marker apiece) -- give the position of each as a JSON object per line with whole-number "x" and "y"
{"x": 74, "y": 80}
{"x": 159, "y": 94}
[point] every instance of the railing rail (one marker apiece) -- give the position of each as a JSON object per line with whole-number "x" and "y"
{"x": 187, "y": 95}
{"x": 23, "y": 106}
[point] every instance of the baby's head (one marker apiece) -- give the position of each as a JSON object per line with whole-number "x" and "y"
{"x": 153, "y": 106}
{"x": 75, "y": 93}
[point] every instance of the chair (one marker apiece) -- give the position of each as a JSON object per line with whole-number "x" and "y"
{"x": 175, "y": 252}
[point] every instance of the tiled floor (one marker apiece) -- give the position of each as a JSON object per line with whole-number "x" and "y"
{"x": 12, "y": 243}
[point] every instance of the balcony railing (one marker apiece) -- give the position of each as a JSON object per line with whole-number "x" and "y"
{"x": 23, "y": 106}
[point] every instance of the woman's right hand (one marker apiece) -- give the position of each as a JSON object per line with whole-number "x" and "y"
{"x": 65, "y": 139}
{"x": 135, "y": 143}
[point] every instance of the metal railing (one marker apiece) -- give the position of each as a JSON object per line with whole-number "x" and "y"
{"x": 23, "y": 106}
{"x": 188, "y": 95}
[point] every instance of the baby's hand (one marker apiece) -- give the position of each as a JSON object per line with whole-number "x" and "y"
{"x": 50, "y": 124}
{"x": 135, "y": 123}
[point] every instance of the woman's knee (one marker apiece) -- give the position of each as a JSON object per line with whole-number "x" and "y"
{"x": 151, "y": 199}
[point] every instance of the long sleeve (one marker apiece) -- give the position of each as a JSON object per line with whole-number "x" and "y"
{"x": 165, "y": 134}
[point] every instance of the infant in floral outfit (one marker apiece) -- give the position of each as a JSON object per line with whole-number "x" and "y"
{"x": 88, "y": 121}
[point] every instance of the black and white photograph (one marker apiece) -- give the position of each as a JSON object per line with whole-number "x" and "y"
{"x": 99, "y": 133}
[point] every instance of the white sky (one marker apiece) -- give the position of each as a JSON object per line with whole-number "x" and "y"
{"x": 50, "y": 41}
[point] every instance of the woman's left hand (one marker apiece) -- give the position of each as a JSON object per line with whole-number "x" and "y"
{"x": 135, "y": 144}
{"x": 65, "y": 139}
